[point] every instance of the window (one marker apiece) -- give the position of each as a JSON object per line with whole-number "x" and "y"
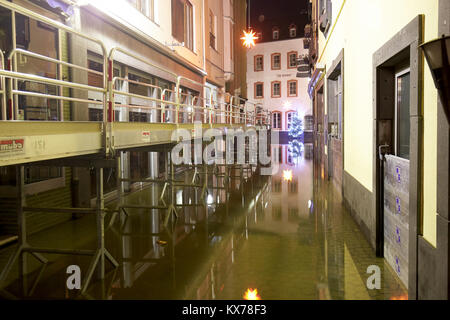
{"x": 402, "y": 116}
{"x": 289, "y": 118}
{"x": 276, "y": 89}
{"x": 212, "y": 30}
{"x": 146, "y": 7}
{"x": 189, "y": 22}
{"x": 293, "y": 186}
{"x": 276, "y": 213}
{"x": 259, "y": 90}
{"x": 276, "y": 120}
{"x": 183, "y": 22}
{"x": 292, "y": 59}
{"x": 335, "y": 103}
{"x": 276, "y": 61}
{"x": 259, "y": 63}
{"x": 275, "y": 34}
{"x": 292, "y": 88}
{"x": 293, "y": 31}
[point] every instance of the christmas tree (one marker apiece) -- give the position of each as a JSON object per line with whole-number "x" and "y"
{"x": 296, "y": 148}
{"x": 296, "y": 129}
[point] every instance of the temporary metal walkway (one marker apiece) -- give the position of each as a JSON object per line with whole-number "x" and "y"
{"x": 98, "y": 144}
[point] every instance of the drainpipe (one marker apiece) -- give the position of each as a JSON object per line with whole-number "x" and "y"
{"x": 204, "y": 37}
{"x": 382, "y": 151}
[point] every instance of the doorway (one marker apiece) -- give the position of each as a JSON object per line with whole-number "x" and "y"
{"x": 397, "y": 156}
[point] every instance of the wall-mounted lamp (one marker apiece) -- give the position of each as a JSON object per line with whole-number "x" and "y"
{"x": 438, "y": 58}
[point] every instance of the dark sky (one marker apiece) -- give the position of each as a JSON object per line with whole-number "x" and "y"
{"x": 278, "y": 12}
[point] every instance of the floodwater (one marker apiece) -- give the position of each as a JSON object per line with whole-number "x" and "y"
{"x": 286, "y": 235}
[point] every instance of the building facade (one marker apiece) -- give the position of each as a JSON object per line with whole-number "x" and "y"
{"x": 272, "y": 79}
{"x": 151, "y": 42}
{"x": 381, "y": 136}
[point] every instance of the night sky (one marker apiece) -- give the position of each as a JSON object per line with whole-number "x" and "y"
{"x": 278, "y": 12}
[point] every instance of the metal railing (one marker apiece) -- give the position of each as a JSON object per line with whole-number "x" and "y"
{"x": 14, "y": 76}
{"x": 3, "y": 115}
{"x": 161, "y": 104}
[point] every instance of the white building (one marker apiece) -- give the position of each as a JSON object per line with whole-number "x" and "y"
{"x": 272, "y": 80}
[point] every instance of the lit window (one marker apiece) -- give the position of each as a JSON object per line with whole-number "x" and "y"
{"x": 259, "y": 63}
{"x": 276, "y": 61}
{"x": 276, "y": 89}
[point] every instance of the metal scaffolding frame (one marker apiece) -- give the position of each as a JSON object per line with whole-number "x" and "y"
{"x": 110, "y": 158}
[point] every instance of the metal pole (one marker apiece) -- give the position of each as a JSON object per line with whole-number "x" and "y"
{"x": 22, "y": 229}
{"x": 100, "y": 221}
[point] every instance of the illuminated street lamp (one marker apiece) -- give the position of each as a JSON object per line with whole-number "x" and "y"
{"x": 438, "y": 58}
{"x": 249, "y": 35}
{"x": 249, "y": 38}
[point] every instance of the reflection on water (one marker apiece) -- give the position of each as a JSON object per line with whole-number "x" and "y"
{"x": 286, "y": 238}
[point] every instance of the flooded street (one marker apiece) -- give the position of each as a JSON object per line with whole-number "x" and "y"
{"x": 288, "y": 236}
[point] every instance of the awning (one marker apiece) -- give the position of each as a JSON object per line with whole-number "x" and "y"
{"x": 62, "y": 5}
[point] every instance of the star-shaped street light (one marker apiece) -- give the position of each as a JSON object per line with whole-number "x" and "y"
{"x": 249, "y": 38}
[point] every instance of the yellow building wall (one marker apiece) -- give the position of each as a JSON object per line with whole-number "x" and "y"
{"x": 362, "y": 28}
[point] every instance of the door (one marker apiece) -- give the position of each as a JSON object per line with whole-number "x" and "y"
{"x": 396, "y": 182}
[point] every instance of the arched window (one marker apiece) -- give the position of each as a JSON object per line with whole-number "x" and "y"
{"x": 276, "y": 120}
{"x": 289, "y": 117}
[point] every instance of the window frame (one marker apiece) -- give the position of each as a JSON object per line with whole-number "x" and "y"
{"x": 279, "y": 113}
{"x": 289, "y": 94}
{"x": 272, "y": 86}
{"x": 256, "y": 91}
{"x": 255, "y": 64}
{"x": 271, "y": 61}
{"x": 277, "y": 30}
{"x": 189, "y": 42}
{"x": 212, "y": 29}
{"x": 289, "y": 59}
{"x": 399, "y": 75}
{"x": 292, "y": 27}
{"x": 293, "y": 112}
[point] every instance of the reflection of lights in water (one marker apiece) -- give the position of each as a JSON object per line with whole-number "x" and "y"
{"x": 402, "y": 297}
{"x": 209, "y": 199}
{"x": 180, "y": 197}
{"x": 287, "y": 175}
{"x": 251, "y": 294}
{"x": 310, "y": 204}
{"x": 296, "y": 148}
{"x": 266, "y": 205}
